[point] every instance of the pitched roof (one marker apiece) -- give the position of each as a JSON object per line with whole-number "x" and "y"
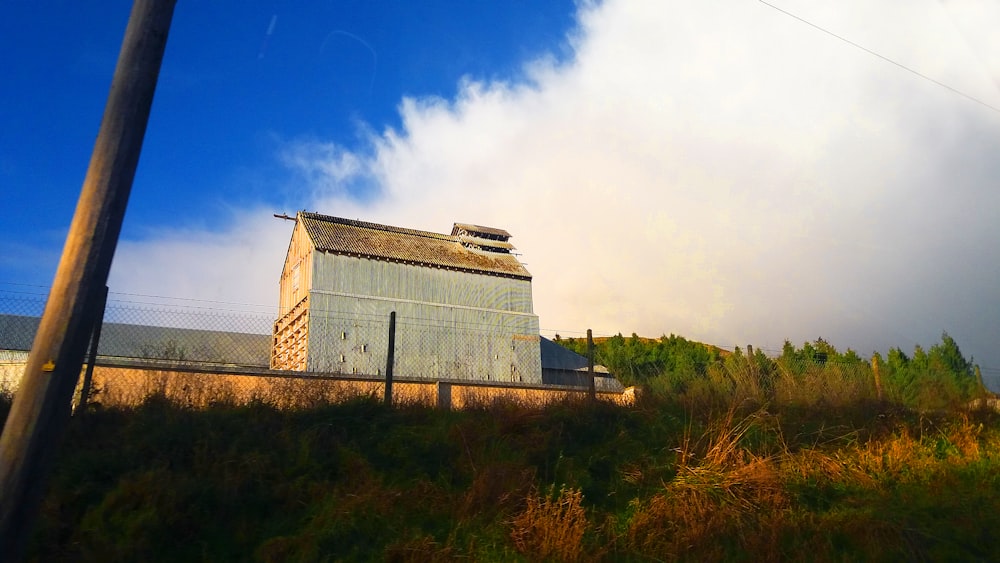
{"x": 479, "y": 229}
{"x": 555, "y": 356}
{"x": 395, "y": 244}
{"x": 142, "y": 341}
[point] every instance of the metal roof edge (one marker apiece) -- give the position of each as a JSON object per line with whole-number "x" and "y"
{"x": 428, "y": 264}
{"x": 375, "y": 226}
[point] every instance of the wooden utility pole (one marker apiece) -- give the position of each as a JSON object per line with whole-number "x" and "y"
{"x": 41, "y": 406}
{"x": 95, "y": 341}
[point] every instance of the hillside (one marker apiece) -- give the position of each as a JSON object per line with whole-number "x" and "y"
{"x": 807, "y": 456}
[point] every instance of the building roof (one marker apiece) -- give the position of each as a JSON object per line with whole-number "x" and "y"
{"x": 479, "y": 229}
{"x": 156, "y": 342}
{"x": 395, "y": 244}
{"x": 557, "y": 357}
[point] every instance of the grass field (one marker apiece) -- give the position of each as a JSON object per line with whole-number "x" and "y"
{"x": 713, "y": 472}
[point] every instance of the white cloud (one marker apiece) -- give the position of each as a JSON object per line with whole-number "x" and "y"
{"x": 240, "y": 265}
{"x": 717, "y": 170}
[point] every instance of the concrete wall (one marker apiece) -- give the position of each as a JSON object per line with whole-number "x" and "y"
{"x": 12, "y": 364}
{"x": 121, "y": 386}
{"x": 118, "y": 384}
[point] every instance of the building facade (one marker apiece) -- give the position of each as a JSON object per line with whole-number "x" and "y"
{"x": 463, "y": 302}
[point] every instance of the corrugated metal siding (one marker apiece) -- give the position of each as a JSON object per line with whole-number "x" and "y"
{"x": 556, "y": 357}
{"x": 527, "y": 357}
{"x": 360, "y": 276}
{"x": 350, "y": 335}
{"x": 450, "y": 324}
{"x": 603, "y": 382}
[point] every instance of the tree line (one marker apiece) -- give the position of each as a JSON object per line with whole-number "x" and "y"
{"x": 936, "y": 377}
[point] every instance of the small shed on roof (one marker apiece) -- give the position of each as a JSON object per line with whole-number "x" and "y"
{"x": 463, "y": 301}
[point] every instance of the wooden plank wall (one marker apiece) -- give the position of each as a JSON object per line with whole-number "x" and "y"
{"x": 290, "y": 347}
{"x": 296, "y": 275}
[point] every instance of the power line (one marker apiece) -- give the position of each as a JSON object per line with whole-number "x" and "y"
{"x": 189, "y": 299}
{"x": 46, "y": 289}
{"x": 883, "y": 57}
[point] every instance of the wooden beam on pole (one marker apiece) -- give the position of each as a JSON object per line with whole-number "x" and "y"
{"x": 41, "y": 406}
{"x": 95, "y": 341}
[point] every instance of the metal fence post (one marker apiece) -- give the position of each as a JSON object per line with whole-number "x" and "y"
{"x": 41, "y": 406}
{"x": 390, "y": 358}
{"x": 95, "y": 339}
{"x": 590, "y": 364}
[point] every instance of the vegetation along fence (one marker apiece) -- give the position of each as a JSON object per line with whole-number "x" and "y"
{"x": 200, "y": 352}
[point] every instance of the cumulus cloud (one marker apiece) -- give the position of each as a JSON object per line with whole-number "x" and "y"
{"x": 238, "y": 265}
{"x": 718, "y": 170}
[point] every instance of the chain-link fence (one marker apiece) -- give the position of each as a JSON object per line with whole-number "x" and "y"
{"x": 251, "y": 351}
{"x": 351, "y": 343}
{"x": 183, "y": 332}
{"x": 205, "y": 337}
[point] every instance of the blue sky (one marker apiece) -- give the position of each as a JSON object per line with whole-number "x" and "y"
{"x": 718, "y": 170}
{"x": 238, "y": 81}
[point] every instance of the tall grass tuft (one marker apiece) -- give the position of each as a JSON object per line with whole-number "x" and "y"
{"x": 727, "y": 483}
{"x": 551, "y": 526}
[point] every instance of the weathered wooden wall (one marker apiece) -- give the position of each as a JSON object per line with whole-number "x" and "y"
{"x": 290, "y": 340}
{"x": 297, "y": 271}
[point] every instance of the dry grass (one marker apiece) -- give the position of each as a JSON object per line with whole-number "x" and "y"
{"x": 551, "y": 527}
{"x": 722, "y": 489}
{"x": 785, "y": 465}
{"x": 741, "y": 488}
{"x": 823, "y": 386}
{"x": 951, "y": 442}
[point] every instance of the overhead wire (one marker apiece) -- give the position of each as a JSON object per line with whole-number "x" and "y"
{"x": 883, "y": 57}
